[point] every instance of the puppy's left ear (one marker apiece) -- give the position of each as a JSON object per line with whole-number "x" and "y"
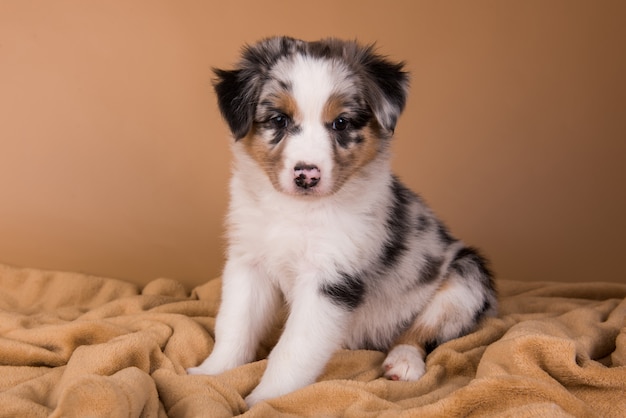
{"x": 387, "y": 87}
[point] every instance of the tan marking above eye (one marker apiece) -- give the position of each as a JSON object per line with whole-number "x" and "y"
{"x": 283, "y": 102}
{"x": 334, "y": 107}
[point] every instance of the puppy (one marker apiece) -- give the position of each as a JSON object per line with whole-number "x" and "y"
{"x": 318, "y": 220}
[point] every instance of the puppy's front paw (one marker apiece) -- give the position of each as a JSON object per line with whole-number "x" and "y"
{"x": 270, "y": 388}
{"x": 198, "y": 370}
{"x": 404, "y": 362}
{"x": 211, "y": 366}
{"x": 260, "y": 393}
{"x": 252, "y": 399}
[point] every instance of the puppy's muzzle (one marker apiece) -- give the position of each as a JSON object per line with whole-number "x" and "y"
{"x": 306, "y": 176}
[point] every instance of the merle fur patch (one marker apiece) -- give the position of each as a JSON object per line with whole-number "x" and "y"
{"x": 348, "y": 292}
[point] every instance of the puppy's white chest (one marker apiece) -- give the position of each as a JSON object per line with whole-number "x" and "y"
{"x": 301, "y": 244}
{"x": 289, "y": 239}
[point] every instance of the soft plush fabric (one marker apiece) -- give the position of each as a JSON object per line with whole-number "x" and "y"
{"x": 73, "y": 345}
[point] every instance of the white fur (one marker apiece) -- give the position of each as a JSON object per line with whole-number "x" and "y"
{"x": 287, "y": 243}
{"x": 404, "y": 362}
{"x": 313, "y": 83}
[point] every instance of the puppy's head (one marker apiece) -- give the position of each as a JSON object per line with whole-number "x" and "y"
{"x": 312, "y": 114}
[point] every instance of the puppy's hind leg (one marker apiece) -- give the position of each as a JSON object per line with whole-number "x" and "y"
{"x": 249, "y": 303}
{"x": 405, "y": 360}
{"x": 465, "y": 296}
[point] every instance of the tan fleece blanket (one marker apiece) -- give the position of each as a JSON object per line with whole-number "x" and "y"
{"x": 73, "y": 345}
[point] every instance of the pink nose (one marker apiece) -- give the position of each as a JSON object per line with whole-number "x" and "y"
{"x": 306, "y": 175}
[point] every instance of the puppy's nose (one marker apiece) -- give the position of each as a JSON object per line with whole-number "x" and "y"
{"x": 306, "y": 175}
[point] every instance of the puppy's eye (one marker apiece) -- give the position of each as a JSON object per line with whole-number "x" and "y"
{"x": 279, "y": 121}
{"x": 340, "y": 124}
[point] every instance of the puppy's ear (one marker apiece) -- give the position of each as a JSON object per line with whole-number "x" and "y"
{"x": 238, "y": 90}
{"x": 386, "y": 88}
{"x": 236, "y": 98}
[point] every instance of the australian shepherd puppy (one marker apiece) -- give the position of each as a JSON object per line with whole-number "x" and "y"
{"x": 318, "y": 220}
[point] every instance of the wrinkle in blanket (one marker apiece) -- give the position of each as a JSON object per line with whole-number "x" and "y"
{"x": 79, "y": 345}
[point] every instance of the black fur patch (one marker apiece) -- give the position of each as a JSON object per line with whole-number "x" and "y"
{"x": 347, "y": 292}
{"x": 466, "y": 260}
{"x": 235, "y": 106}
{"x": 397, "y": 224}
{"x": 279, "y": 134}
{"x": 482, "y": 311}
{"x": 347, "y": 137}
{"x": 390, "y": 82}
{"x": 423, "y": 223}
{"x": 358, "y": 118}
{"x": 431, "y": 269}
{"x": 430, "y": 346}
{"x": 444, "y": 235}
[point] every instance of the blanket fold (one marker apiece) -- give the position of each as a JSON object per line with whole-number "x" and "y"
{"x": 74, "y": 345}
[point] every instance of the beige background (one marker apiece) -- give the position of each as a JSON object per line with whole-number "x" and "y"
{"x": 114, "y": 161}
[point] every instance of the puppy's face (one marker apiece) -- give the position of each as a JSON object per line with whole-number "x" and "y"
{"x": 312, "y": 115}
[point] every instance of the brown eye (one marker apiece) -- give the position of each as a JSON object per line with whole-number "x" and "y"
{"x": 340, "y": 124}
{"x": 279, "y": 121}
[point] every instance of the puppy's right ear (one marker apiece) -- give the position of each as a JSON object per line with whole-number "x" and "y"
{"x": 236, "y": 98}
{"x": 238, "y": 90}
